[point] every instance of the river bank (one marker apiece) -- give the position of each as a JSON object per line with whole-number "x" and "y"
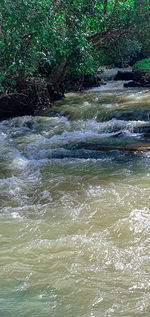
{"x": 34, "y": 94}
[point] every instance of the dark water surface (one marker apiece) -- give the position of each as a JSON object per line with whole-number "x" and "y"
{"x": 75, "y": 220}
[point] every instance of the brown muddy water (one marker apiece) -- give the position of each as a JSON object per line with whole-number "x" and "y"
{"x": 75, "y": 220}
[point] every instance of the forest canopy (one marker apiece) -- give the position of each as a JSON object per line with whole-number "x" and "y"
{"x": 37, "y": 35}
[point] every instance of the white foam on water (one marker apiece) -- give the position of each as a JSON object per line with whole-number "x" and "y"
{"x": 140, "y": 220}
{"x": 15, "y": 215}
{"x": 111, "y": 85}
{"x": 19, "y": 163}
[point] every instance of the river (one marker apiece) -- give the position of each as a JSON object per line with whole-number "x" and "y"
{"x": 75, "y": 207}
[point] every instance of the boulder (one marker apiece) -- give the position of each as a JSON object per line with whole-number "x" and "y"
{"x": 142, "y": 77}
{"x": 145, "y": 130}
{"x": 124, "y": 75}
{"x": 132, "y": 83}
{"x": 141, "y": 74}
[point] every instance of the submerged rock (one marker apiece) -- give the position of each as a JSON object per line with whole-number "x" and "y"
{"x": 132, "y": 83}
{"x": 145, "y": 130}
{"x": 143, "y": 147}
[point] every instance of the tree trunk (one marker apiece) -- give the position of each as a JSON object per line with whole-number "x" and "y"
{"x": 57, "y": 79}
{"x": 105, "y": 7}
{"x": 115, "y": 7}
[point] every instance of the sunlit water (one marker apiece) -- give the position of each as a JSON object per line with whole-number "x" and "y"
{"x": 75, "y": 220}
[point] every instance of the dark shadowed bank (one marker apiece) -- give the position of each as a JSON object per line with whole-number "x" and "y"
{"x": 33, "y": 94}
{"x": 140, "y": 74}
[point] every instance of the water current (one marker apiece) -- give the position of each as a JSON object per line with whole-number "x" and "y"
{"x": 75, "y": 207}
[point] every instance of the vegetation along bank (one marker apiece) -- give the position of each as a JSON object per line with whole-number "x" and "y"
{"x": 48, "y": 47}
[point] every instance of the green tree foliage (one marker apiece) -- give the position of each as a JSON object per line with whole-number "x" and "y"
{"x": 143, "y": 65}
{"x": 33, "y": 32}
{"x": 37, "y": 33}
{"x": 142, "y": 23}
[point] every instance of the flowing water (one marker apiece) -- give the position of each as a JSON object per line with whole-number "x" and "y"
{"x": 75, "y": 210}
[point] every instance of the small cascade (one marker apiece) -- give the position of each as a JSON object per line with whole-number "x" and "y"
{"x": 109, "y": 85}
{"x": 108, "y": 74}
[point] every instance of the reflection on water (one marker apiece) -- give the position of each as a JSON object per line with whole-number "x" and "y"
{"x": 75, "y": 220}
